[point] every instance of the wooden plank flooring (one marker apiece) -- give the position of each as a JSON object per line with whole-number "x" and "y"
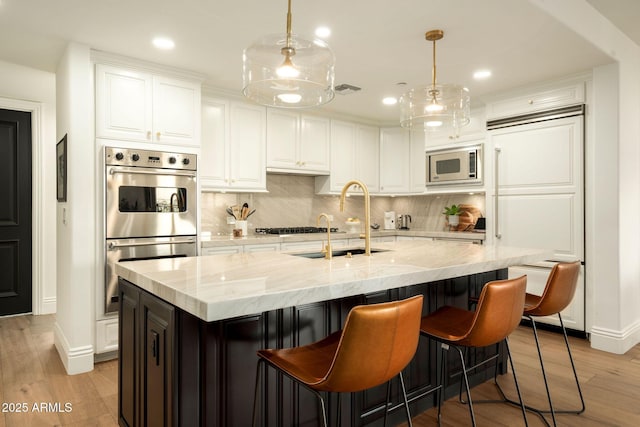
{"x": 31, "y": 373}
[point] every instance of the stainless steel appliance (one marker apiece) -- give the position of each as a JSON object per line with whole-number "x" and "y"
{"x": 150, "y": 209}
{"x": 404, "y": 221}
{"x": 455, "y": 166}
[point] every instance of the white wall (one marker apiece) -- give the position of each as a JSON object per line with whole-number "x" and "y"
{"x": 76, "y": 246}
{"x": 27, "y": 89}
{"x": 614, "y": 237}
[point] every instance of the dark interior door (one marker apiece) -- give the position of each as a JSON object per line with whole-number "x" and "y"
{"x": 15, "y": 212}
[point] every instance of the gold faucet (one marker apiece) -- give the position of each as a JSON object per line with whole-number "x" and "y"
{"x": 326, "y": 250}
{"x": 367, "y": 212}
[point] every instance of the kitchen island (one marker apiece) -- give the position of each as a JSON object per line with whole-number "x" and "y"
{"x": 189, "y": 327}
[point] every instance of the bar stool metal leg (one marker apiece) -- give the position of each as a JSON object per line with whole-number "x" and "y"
{"x": 552, "y": 410}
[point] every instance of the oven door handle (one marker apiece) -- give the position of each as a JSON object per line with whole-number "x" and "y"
{"x": 114, "y": 245}
{"x": 140, "y": 171}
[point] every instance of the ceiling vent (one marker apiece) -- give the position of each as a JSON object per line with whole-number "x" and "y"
{"x": 346, "y": 89}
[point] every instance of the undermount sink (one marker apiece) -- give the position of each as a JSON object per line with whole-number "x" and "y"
{"x": 337, "y": 253}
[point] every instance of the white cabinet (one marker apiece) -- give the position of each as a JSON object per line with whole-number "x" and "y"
{"x": 476, "y": 129}
{"x": 138, "y": 106}
{"x": 536, "y": 197}
{"x": 261, "y": 247}
{"x": 538, "y": 99}
{"x": 297, "y": 143}
{"x": 233, "y": 146}
{"x": 354, "y": 155}
{"x": 402, "y": 161}
{"x": 222, "y": 250}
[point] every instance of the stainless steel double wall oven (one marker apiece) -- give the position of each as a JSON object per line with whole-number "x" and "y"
{"x": 151, "y": 209}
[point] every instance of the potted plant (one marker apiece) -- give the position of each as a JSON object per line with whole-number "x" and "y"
{"x": 452, "y": 212}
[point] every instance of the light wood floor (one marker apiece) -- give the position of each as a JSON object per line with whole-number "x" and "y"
{"x": 31, "y": 373}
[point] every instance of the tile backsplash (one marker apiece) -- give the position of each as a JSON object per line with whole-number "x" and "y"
{"x": 292, "y": 202}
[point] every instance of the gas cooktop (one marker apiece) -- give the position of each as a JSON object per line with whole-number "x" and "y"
{"x": 293, "y": 230}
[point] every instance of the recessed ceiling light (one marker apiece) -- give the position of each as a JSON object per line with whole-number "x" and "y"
{"x": 323, "y": 32}
{"x": 163, "y": 43}
{"x": 482, "y": 74}
{"x": 390, "y": 100}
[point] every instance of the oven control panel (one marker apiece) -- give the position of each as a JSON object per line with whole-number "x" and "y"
{"x": 149, "y": 159}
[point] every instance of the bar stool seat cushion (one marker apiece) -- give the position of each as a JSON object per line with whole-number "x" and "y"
{"x": 558, "y": 292}
{"x": 377, "y": 342}
{"x": 482, "y": 327}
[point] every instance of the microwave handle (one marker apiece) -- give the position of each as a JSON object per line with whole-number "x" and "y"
{"x": 496, "y": 223}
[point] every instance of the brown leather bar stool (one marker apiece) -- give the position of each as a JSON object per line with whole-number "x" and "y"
{"x": 498, "y": 313}
{"x": 557, "y": 295}
{"x": 377, "y": 342}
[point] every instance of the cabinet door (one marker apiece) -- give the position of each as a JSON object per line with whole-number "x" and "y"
{"x": 176, "y": 111}
{"x": 129, "y": 366}
{"x": 314, "y": 143}
{"x": 367, "y": 157}
{"x": 247, "y": 138}
{"x": 157, "y": 357}
{"x": 123, "y": 104}
{"x": 343, "y": 153}
{"x": 214, "y": 159}
{"x": 540, "y": 187}
{"x": 282, "y": 139}
{"x": 394, "y": 160}
{"x": 417, "y": 163}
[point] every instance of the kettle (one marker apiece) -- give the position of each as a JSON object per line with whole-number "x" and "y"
{"x": 403, "y": 221}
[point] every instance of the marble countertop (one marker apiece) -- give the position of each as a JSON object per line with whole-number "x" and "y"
{"x": 220, "y": 287}
{"x": 252, "y": 239}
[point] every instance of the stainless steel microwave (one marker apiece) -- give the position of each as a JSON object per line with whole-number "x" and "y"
{"x": 455, "y": 166}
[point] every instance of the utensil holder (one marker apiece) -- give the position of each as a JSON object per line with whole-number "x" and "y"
{"x": 241, "y": 225}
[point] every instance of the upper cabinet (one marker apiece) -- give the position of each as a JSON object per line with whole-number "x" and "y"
{"x": 297, "y": 143}
{"x": 132, "y": 105}
{"x": 402, "y": 161}
{"x": 354, "y": 155}
{"x": 233, "y": 154}
{"x": 476, "y": 129}
{"x": 540, "y": 99}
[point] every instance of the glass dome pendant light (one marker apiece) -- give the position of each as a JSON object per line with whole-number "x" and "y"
{"x": 288, "y": 71}
{"x": 435, "y": 106}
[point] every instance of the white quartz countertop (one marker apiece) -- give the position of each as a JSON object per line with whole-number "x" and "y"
{"x": 220, "y": 287}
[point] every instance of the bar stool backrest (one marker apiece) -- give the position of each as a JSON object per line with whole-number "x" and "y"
{"x": 498, "y": 312}
{"x": 377, "y": 342}
{"x": 559, "y": 290}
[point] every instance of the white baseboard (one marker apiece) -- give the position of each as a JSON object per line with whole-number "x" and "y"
{"x": 75, "y": 360}
{"x": 612, "y": 341}
{"x": 48, "y": 306}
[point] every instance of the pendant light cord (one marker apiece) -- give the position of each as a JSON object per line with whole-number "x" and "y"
{"x": 289, "y": 25}
{"x": 433, "y": 70}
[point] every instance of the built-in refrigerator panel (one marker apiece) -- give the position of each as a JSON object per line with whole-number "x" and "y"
{"x": 536, "y": 197}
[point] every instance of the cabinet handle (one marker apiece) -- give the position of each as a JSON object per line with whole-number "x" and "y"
{"x": 148, "y": 134}
{"x": 158, "y": 135}
{"x": 155, "y": 347}
{"x": 496, "y": 223}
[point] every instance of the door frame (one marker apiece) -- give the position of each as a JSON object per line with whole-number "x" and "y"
{"x": 39, "y": 304}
